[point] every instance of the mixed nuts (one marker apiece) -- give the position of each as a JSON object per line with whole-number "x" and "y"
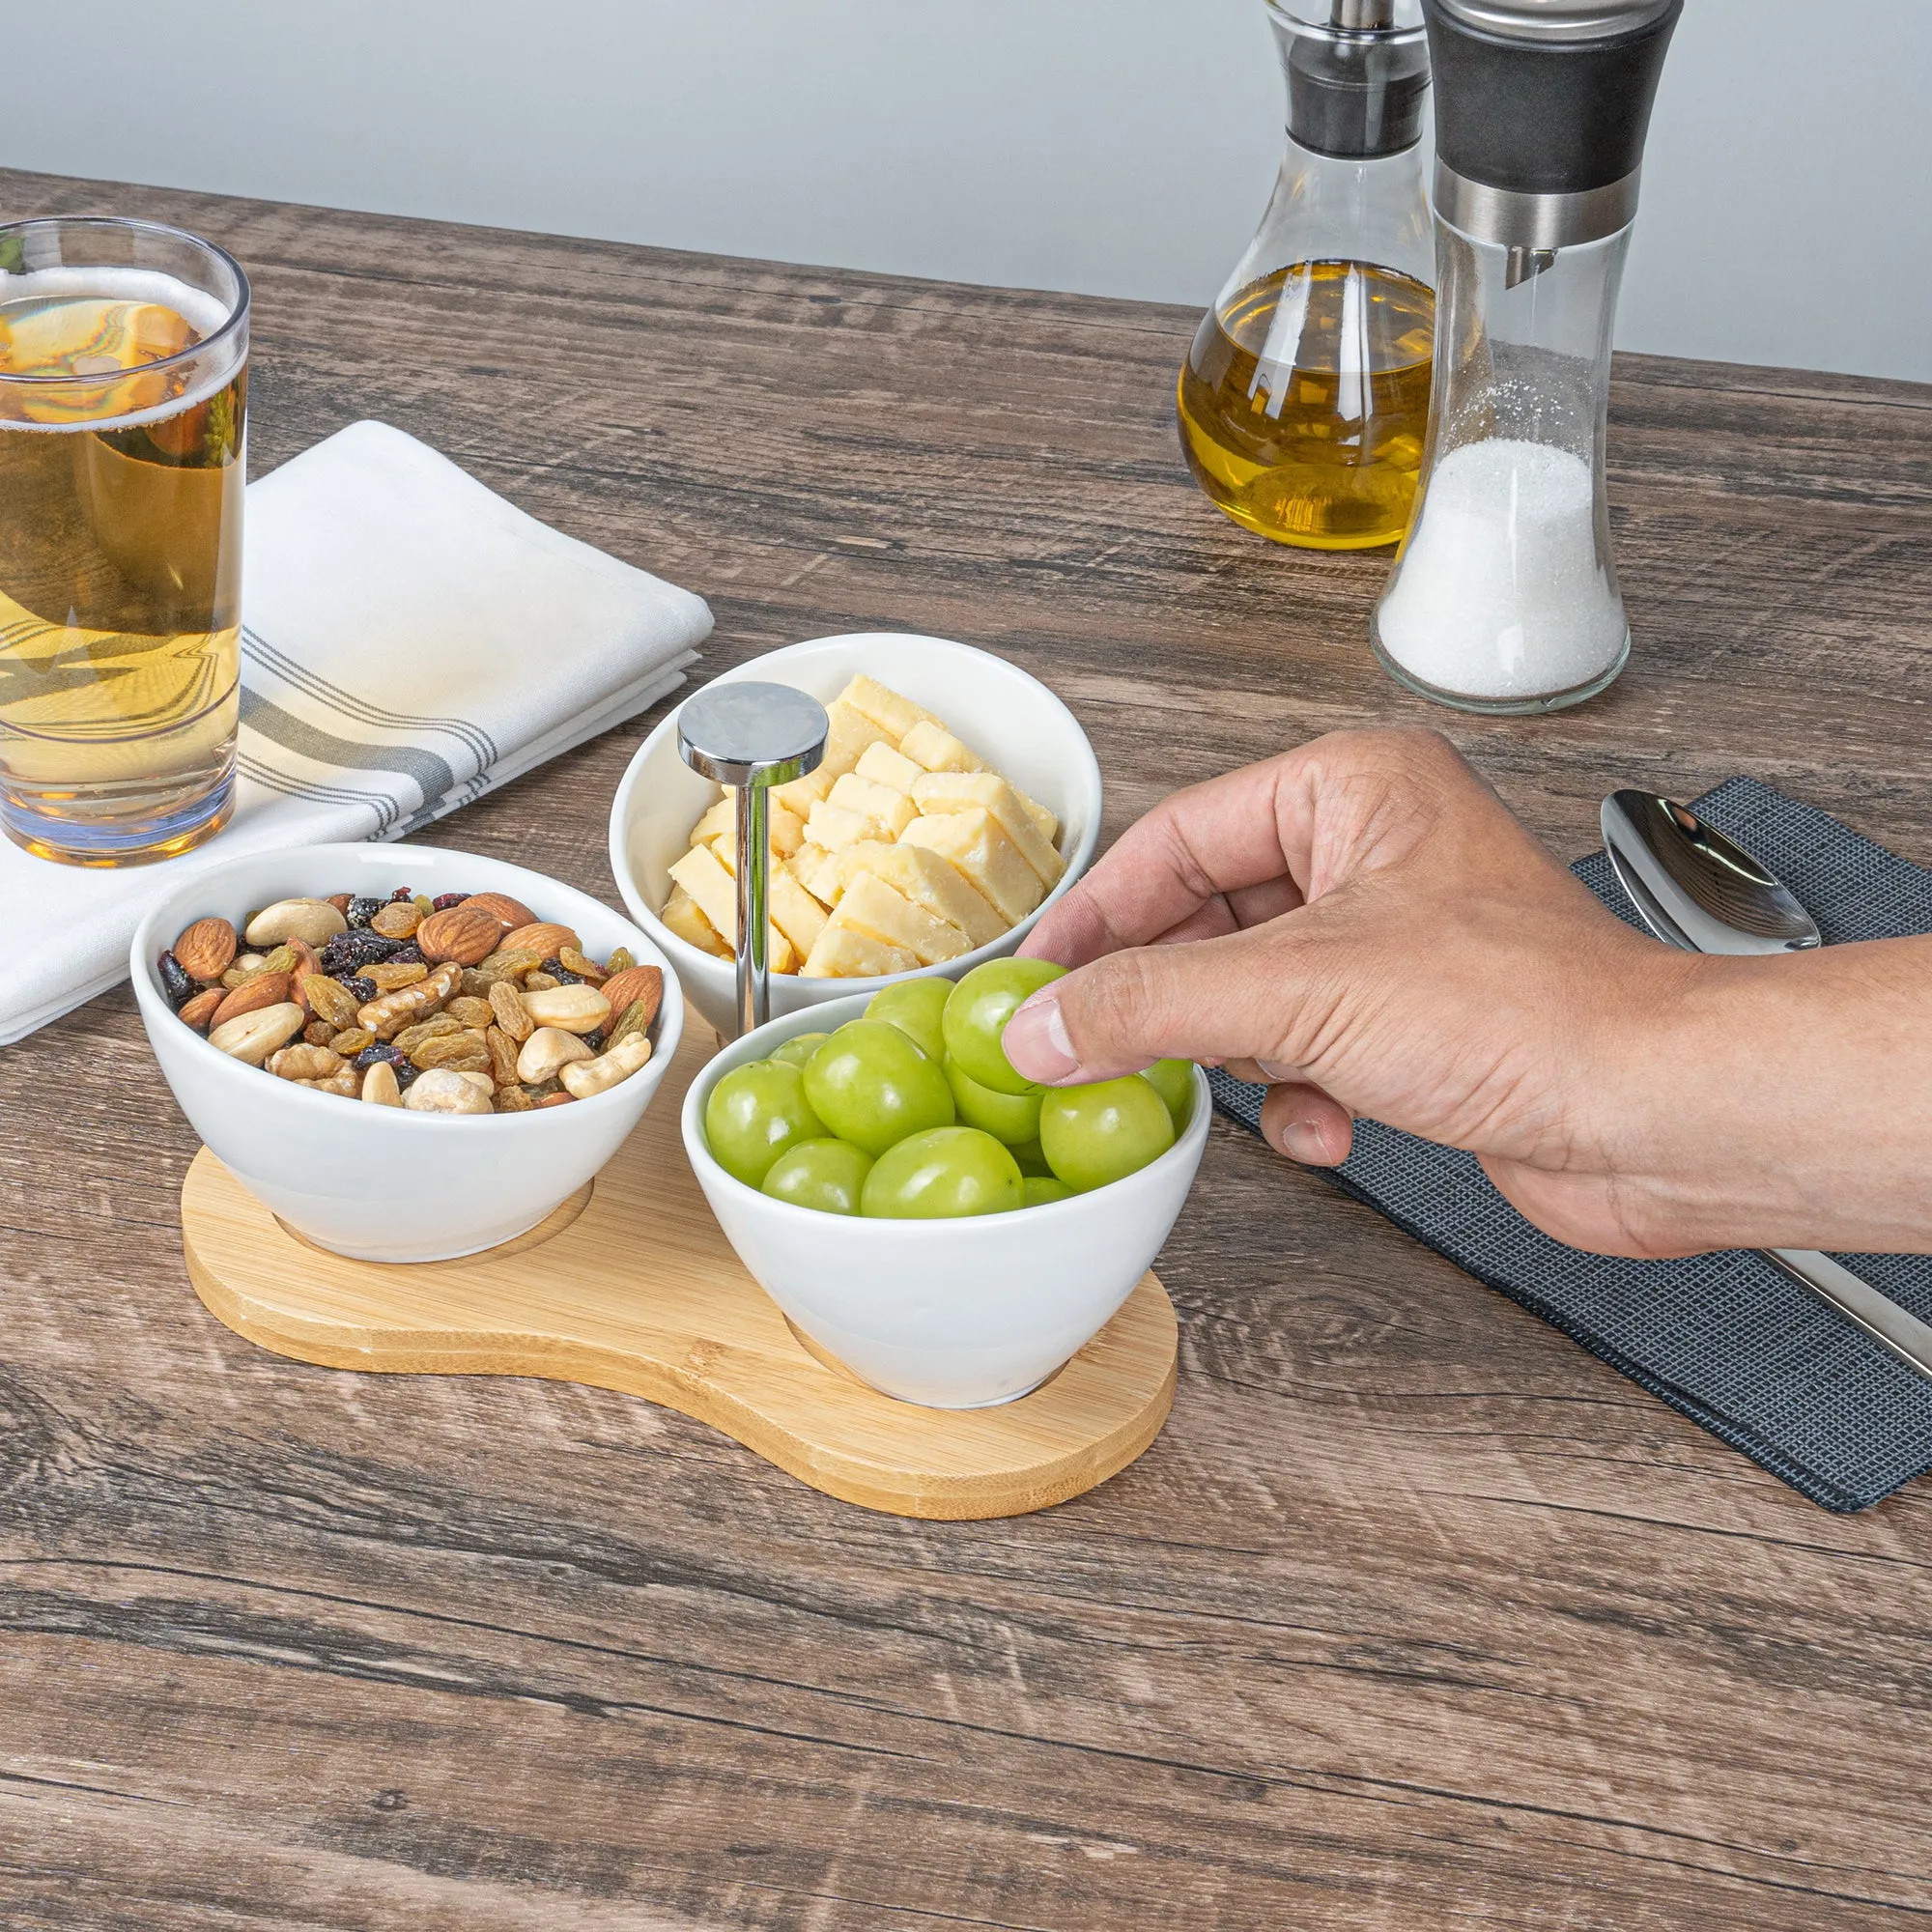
{"x": 465, "y": 1004}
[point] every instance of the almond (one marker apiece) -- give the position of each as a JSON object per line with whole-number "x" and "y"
{"x": 459, "y": 934}
{"x": 200, "y": 1011}
{"x": 253, "y": 996}
{"x": 306, "y": 965}
{"x": 502, "y": 906}
{"x": 206, "y": 950}
{"x": 545, "y": 941}
{"x": 635, "y": 982}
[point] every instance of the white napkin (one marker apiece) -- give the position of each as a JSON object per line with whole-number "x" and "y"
{"x": 410, "y": 642}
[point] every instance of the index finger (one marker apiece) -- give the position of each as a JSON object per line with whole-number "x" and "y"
{"x": 1194, "y": 848}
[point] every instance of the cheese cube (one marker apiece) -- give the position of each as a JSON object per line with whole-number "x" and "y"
{"x": 928, "y": 880}
{"x": 933, "y": 748}
{"x": 802, "y": 794}
{"x": 893, "y": 714}
{"x": 817, "y": 870}
{"x": 682, "y": 916}
{"x": 988, "y": 791}
{"x": 794, "y": 911}
{"x": 851, "y": 731}
{"x": 833, "y": 826}
{"x": 892, "y": 811}
{"x": 715, "y": 893}
{"x": 973, "y": 842}
{"x": 843, "y": 952}
{"x": 871, "y": 905}
{"x": 887, "y": 767}
{"x": 719, "y": 828}
{"x": 1049, "y": 826}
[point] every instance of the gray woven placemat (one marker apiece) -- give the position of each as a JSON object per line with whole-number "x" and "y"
{"x": 1725, "y": 1338}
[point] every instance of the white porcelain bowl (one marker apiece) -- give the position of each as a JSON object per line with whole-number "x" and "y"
{"x": 1011, "y": 720}
{"x": 382, "y": 1183}
{"x": 953, "y": 1314}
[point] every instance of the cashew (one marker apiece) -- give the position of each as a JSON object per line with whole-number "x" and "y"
{"x": 251, "y": 1037}
{"x": 585, "y": 1078}
{"x": 312, "y": 920}
{"x": 574, "y": 1008}
{"x": 545, "y": 1051}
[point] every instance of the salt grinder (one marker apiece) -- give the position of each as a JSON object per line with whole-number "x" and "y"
{"x": 752, "y": 737}
{"x": 1505, "y": 595}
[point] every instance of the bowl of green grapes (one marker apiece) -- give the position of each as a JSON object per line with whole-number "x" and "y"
{"x": 950, "y": 1232}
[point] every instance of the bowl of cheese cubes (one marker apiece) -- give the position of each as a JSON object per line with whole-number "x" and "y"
{"x": 958, "y": 797}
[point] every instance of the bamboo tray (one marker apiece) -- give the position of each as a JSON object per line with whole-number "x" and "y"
{"x": 630, "y": 1286}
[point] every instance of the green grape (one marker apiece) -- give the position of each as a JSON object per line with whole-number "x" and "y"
{"x": 1011, "y": 1118}
{"x": 941, "y": 1174}
{"x": 914, "y": 1006}
{"x": 1041, "y": 1188}
{"x": 1032, "y": 1158}
{"x": 800, "y": 1047}
{"x": 1174, "y": 1081}
{"x": 1104, "y": 1132}
{"x": 754, "y": 1115}
{"x": 825, "y": 1175}
{"x": 977, "y": 1013}
{"x": 872, "y": 1085}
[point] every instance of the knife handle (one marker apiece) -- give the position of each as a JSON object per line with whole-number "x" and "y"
{"x": 1881, "y": 1317}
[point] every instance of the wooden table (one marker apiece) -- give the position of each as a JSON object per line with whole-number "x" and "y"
{"x": 1415, "y": 1616}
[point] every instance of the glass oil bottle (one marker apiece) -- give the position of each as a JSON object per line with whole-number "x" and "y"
{"x": 1304, "y": 400}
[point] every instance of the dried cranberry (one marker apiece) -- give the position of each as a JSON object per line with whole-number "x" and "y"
{"x": 360, "y": 912}
{"x": 175, "y": 981}
{"x": 563, "y": 974}
{"x": 444, "y": 900}
{"x": 364, "y": 990}
{"x": 401, "y": 894}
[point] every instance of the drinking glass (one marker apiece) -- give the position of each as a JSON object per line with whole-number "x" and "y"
{"x": 123, "y": 353}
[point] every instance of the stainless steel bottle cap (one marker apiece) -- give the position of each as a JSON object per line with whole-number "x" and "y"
{"x": 1548, "y": 21}
{"x": 751, "y": 734}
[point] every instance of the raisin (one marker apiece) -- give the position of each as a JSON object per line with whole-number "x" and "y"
{"x": 395, "y": 1056}
{"x": 362, "y": 989}
{"x": 561, "y": 974}
{"x": 360, "y": 912}
{"x": 410, "y": 953}
{"x": 175, "y": 981}
{"x": 348, "y": 951}
{"x": 593, "y": 1039}
{"x": 444, "y": 900}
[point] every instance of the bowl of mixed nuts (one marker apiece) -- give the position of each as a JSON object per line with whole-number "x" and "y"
{"x": 406, "y": 1053}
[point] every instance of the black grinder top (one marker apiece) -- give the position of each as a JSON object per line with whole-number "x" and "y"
{"x": 1356, "y": 90}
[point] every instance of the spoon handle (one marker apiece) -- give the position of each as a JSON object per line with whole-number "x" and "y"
{"x": 1859, "y": 1301}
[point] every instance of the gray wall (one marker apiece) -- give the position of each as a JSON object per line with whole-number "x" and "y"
{"x": 1117, "y": 146}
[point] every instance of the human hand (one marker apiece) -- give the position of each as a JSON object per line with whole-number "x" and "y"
{"x": 1362, "y": 924}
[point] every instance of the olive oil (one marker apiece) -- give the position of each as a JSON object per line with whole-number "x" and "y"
{"x": 1304, "y": 400}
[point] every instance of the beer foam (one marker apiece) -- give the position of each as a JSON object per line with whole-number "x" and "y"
{"x": 203, "y": 312}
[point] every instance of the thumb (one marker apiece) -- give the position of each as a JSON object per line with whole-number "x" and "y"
{"x": 1209, "y": 999}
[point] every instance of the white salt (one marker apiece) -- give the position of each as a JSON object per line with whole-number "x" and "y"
{"x": 1500, "y": 593}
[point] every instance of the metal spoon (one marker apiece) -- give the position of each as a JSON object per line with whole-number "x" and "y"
{"x": 1703, "y": 892}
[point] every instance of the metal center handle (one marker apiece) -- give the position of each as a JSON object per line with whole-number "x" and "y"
{"x": 752, "y": 737}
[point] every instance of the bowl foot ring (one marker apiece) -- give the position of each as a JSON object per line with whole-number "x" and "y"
{"x": 630, "y": 1286}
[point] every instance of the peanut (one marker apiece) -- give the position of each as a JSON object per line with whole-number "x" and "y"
{"x": 380, "y": 1088}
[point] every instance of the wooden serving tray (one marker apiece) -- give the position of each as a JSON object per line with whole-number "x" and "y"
{"x": 630, "y": 1286}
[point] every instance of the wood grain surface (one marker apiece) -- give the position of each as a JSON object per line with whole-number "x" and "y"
{"x": 1414, "y": 1616}
{"x": 632, "y": 1286}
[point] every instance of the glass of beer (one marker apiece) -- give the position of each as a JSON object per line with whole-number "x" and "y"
{"x": 123, "y": 354}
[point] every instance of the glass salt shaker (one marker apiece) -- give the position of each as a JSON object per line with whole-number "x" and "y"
{"x": 1504, "y": 596}
{"x": 1305, "y": 394}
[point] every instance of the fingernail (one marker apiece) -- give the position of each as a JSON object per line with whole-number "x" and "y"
{"x": 1276, "y": 1070}
{"x": 1037, "y": 1043}
{"x": 1301, "y": 1140}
